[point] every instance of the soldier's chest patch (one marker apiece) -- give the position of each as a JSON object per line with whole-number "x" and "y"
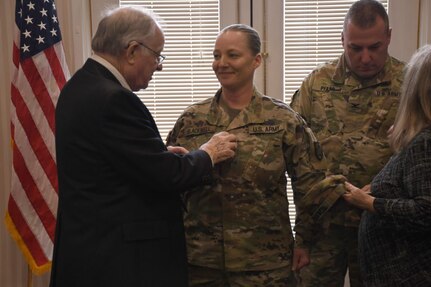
{"x": 387, "y": 93}
{"x": 327, "y": 89}
{"x": 193, "y": 131}
{"x": 264, "y": 128}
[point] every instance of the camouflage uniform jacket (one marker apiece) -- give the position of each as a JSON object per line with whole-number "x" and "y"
{"x": 241, "y": 221}
{"x": 351, "y": 119}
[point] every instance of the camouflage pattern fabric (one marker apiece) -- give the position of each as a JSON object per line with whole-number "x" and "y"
{"x": 203, "y": 276}
{"x": 351, "y": 120}
{"x": 241, "y": 221}
{"x": 335, "y": 260}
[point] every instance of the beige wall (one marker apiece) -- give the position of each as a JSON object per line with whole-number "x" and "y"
{"x": 75, "y": 22}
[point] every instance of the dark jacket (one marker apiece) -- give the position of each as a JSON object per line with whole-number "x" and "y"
{"x": 119, "y": 220}
{"x": 395, "y": 241}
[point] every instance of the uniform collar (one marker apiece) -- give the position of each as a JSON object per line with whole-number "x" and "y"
{"x": 250, "y": 114}
{"x": 344, "y": 76}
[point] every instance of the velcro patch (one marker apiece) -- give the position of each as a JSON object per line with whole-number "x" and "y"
{"x": 199, "y": 130}
{"x": 264, "y": 129}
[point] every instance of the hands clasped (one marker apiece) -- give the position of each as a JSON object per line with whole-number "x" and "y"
{"x": 359, "y": 197}
{"x": 220, "y": 147}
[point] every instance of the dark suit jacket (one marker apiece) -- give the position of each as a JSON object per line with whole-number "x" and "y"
{"x": 119, "y": 220}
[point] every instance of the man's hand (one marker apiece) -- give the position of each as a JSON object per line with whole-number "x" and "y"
{"x": 177, "y": 149}
{"x": 220, "y": 147}
{"x": 301, "y": 258}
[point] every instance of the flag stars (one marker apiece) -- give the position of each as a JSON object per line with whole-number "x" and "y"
{"x": 27, "y": 34}
{"x": 43, "y": 12}
{"x": 38, "y": 26}
{"x": 42, "y": 26}
{"x": 25, "y": 48}
{"x": 29, "y": 20}
{"x": 30, "y": 6}
{"x": 40, "y": 39}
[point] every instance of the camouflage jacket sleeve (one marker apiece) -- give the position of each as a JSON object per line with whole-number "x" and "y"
{"x": 171, "y": 139}
{"x": 315, "y": 191}
{"x": 301, "y": 100}
{"x": 174, "y": 134}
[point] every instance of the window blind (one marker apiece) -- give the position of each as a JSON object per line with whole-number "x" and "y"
{"x": 190, "y": 28}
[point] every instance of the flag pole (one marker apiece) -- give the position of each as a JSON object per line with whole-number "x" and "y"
{"x": 29, "y": 276}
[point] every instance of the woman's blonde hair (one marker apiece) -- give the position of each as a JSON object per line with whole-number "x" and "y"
{"x": 414, "y": 112}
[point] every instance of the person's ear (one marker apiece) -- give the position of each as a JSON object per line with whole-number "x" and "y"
{"x": 342, "y": 38}
{"x": 389, "y": 35}
{"x": 131, "y": 52}
{"x": 257, "y": 60}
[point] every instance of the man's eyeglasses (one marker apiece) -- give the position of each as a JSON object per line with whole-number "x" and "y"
{"x": 160, "y": 58}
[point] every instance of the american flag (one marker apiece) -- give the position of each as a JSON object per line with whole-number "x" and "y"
{"x": 40, "y": 71}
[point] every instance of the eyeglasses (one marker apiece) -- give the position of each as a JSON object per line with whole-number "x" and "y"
{"x": 160, "y": 58}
